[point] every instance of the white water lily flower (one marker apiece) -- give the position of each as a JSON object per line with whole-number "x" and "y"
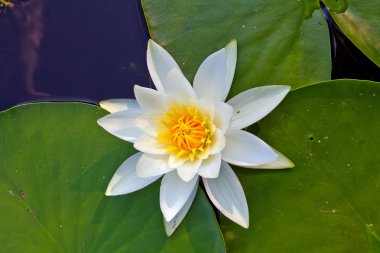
{"x": 183, "y": 132}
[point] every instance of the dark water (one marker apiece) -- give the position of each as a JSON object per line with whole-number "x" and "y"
{"x": 347, "y": 60}
{"x": 93, "y": 50}
{"x": 71, "y": 50}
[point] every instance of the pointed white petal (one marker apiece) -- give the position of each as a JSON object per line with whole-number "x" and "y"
{"x": 125, "y": 180}
{"x": 245, "y": 149}
{"x": 174, "y": 193}
{"x": 280, "y": 163}
{"x": 223, "y": 114}
{"x": 172, "y": 225}
{"x": 179, "y": 87}
{"x": 252, "y": 105}
{"x": 208, "y": 107}
{"x": 231, "y": 56}
{"x": 122, "y": 124}
{"x": 189, "y": 169}
{"x": 149, "y": 123}
{"x": 211, "y": 166}
{"x": 148, "y": 144}
{"x": 228, "y": 196}
{"x": 117, "y": 105}
{"x": 152, "y": 165}
{"x": 160, "y": 62}
{"x": 209, "y": 81}
{"x": 128, "y": 134}
{"x": 218, "y": 142}
{"x": 150, "y": 100}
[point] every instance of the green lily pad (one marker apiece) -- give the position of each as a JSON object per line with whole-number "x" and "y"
{"x": 55, "y": 164}
{"x": 279, "y": 42}
{"x": 330, "y": 201}
{"x": 360, "y": 23}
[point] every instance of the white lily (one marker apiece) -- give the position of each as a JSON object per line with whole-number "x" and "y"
{"x": 183, "y": 132}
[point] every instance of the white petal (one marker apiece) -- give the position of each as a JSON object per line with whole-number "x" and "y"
{"x": 209, "y": 81}
{"x": 159, "y": 63}
{"x": 152, "y": 165}
{"x": 179, "y": 87}
{"x": 175, "y": 162}
{"x": 174, "y": 193}
{"x": 211, "y": 166}
{"x": 150, "y": 100}
{"x": 149, "y": 123}
{"x": 172, "y": 225}
{"x": 218, "y": 142}
{"x": 280, "y": 163}
{"x": 208, "y": 107}
{"x": 228, "y": 196}
{"x": 125, "y": 180}
{"x": 231, "y": 56}
{"x": 117, "y": 105}
{"x": 245, "y": 149}
{"x": 122, "y": 124}
{"x": 223, "y": 114}
{"x": 148, "y": 144}
{"x": 252, "y": 105}
{"x": 189, "y": 169}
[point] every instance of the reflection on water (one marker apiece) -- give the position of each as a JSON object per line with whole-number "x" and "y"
{"x": 30, "y": 19}
{"x": 71, "y": 50}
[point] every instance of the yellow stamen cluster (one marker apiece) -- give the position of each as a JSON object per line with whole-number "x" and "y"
{"x": 186, "y": 131}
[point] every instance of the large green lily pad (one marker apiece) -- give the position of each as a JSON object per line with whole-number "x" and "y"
{"x": 284, "y": 42}
{"x": 360, "y": 22}
{"x": 55, "y": 164}
{"x": 330, "y": 201}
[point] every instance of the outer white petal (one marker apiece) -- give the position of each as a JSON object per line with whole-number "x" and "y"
{"x": 208, "y": 107}
{"x": 150, "y": 100}
{"x": 152, "y": 165}
{"x": 231, "y": 56}
{"x": 209, "y": 81}
{"x": 211, "y": 166}
{"x": 280, "y": 163}
{"x": 125, "y": 180}
{"x": 245, "y": 149}
{"x": 148, "y": 144}
{"x": 149, "y": 123}
{"x": 122, "y": 124}
{"x": 228, "y": 196}
{"x": 117, "y": 105}
{"x": 174, "y": 193}
{"x": 179, "y": 87}
{"x": 189, "y": 169}
{"x": 172, "y": 225}
{"x": 160, "y": 63}
{"x": 223, "y": 114}
{"x": 252, "y": 105}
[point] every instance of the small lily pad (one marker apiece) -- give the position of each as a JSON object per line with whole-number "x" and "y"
{"x": 360, "y": 22}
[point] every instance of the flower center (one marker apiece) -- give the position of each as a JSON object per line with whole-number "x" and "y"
{"x": 188, "y": 132}
{"x": 185, "y": 131}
